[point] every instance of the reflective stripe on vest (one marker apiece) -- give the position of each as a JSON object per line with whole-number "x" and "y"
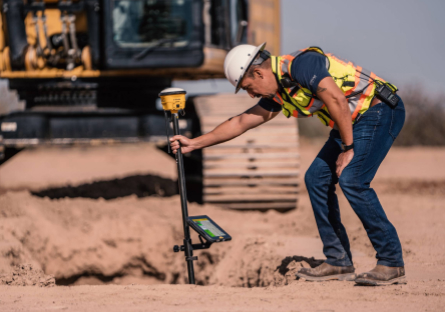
{"x": 356, "y": 83}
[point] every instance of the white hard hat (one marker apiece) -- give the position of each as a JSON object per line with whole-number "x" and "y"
{"x": 238, "y": 61}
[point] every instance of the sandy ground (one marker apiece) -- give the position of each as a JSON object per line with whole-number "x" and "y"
{"x": 115, "y": 255}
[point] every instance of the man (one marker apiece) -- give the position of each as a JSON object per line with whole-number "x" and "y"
{"x": 343, "y": 96}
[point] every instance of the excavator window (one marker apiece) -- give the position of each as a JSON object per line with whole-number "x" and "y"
{"x": 238, "y": 21}
{"x": 226, "y": 23}
{"x": 145, "y": 23}
{"x": 153, "y": 33}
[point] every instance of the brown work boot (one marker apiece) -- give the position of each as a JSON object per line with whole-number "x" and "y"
{"x": 327, "y": 272}
{"x": 382, "y": 275}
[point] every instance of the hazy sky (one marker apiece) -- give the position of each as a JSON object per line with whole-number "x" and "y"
{"x": 402, "y": 41}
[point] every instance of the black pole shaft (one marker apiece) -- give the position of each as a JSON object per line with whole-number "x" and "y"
{"x": 182, "y": 192}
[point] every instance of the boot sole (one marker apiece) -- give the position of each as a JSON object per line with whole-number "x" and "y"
{"x": 369, "y": 282}
{"x": 349, "y": 277}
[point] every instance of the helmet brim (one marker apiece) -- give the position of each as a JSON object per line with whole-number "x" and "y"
{"x": 249, "y": 62}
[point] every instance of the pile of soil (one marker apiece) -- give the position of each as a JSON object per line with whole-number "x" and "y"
{"x": 27, "y": 275}
{"x": 130, "y": 240}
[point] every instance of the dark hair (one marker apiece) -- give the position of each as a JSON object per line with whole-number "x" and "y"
{"x": 252, "y": 68}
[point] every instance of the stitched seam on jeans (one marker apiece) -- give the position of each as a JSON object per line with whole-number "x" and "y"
{"x": 370, "y": 207}
{"x": 385, "y": 229}
{"x": 390, "y": 126}
{"x": 391, "y": 240}
{"x": 368, "y": 147}
{"x": 368, "y": 201}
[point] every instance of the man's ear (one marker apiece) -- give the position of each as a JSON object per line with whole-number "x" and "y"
{"x": 258, "y": 73}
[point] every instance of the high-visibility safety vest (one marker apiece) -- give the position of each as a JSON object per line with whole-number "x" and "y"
{"x": 356, "y": 83}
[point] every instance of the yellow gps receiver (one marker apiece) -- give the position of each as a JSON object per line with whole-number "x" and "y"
{"x": 173, "y": 99}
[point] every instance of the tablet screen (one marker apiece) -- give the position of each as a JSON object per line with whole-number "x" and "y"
{"x": 207, "y": 226}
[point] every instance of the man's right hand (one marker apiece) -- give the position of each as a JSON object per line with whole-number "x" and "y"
{"x": 186, "y": 144}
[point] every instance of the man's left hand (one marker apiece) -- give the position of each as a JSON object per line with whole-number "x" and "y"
{"x": 343, "y": 160}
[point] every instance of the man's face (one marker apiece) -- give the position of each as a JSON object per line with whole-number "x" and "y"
{"x": 262, "y": 84}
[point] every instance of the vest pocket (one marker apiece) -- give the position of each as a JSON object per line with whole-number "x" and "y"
{"x": 285, "y": 111}
{"x": 303, "y": 98}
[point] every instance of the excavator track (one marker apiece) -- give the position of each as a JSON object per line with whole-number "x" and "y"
{"x": 257, "y": 170}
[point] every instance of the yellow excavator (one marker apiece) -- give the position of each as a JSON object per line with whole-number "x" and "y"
{"x": 89, "y": 71}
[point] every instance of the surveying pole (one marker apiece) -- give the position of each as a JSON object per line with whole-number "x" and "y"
{"x": 173, "y": 100}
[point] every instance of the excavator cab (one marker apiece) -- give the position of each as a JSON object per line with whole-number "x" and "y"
{"x": 119, "y": 35}
{"x": 101, "y": 52}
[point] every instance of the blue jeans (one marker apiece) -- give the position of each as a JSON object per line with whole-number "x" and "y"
{"x": 374, "y": 133}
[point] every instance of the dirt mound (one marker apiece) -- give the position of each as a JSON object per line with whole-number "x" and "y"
{"x": 80, "y": 238}
{"x": 139, "y": 185}
{"x": 259, "y": 262}
{"x": 249, "y": 263}
{"x": 130, "y": 240}
{"x": 27, "y": 275}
